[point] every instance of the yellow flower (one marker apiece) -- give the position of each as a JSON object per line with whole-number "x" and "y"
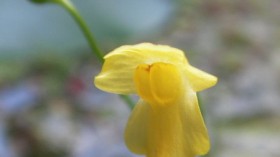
{"x": 166, "y": 122}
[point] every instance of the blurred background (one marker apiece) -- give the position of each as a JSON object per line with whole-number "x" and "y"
{"x": 50, "y": 107}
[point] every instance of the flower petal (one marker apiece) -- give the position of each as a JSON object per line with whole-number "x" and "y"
{"x": 168, "y": 131}
{"x": 118, "y": 70}
{"x": 142, "y": 83}
{"x": 198, "y": 79}
{"x": 172, "y": 130}
{"x": 166, "y": 134}
{"x": 166, "y": 83}
{"x": 177, "y": 130}
{"x": 136, "y": 128}
{"x": 193, "y": 125}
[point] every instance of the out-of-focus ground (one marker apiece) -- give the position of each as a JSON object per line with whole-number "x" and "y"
{"x": 49, "y": 106}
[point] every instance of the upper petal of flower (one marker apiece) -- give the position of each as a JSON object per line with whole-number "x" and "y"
{"x": 117, "y": 72}
{"x": 199, "y": 80}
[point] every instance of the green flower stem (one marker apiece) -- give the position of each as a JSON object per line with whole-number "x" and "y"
{"x": 128, "y": 101}
{"x": 200, "y": 103}
{"x": 66, "y": 4}
{"x": 70, "y": 8}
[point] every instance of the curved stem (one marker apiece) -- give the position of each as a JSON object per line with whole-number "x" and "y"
{"x": 66, "y": 4}
{"x": 128, "y": 101}
{"x": 70, "y": 8}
